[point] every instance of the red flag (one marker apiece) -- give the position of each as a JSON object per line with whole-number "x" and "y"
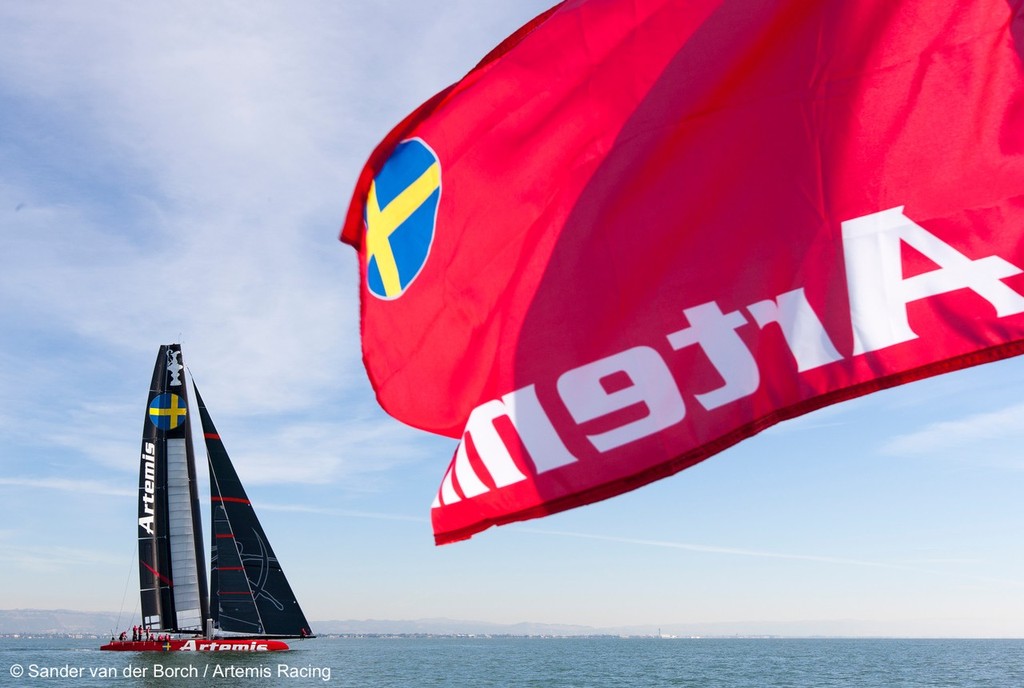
{"x": 642, "y": 230}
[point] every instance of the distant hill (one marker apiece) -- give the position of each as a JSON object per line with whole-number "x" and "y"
{"x": 448, "y": 627}
{"x": 57, "y": 621}
{"x": 792, "y": 629}
{"x": 68, "y": 622}
{"x": 64, "y": 621}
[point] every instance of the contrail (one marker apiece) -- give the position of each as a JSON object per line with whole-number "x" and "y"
{"x": 736, "y": 551}
{"x": 325, "y": 511}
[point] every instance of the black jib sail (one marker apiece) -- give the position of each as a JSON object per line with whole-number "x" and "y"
{"x": 250, "y": 594}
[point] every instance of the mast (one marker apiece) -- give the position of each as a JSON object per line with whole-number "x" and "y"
{"x": 249, "y": 591}
{"x": 172, "y": 578}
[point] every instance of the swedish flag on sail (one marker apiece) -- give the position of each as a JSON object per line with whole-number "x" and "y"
{"x": 400, "y": 215}
{"x": 167, "y": 411}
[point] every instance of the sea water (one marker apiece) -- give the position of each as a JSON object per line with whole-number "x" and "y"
{"x": 480, "y": 662}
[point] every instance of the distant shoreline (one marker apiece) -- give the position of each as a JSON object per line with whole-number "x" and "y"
{"x": 514, "y": 636}
{"x": 63, "y": 623}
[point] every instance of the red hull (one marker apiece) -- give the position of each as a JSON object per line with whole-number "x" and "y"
{"x": 197, "y": 645}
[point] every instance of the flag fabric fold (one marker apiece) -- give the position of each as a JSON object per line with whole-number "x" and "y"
{"x": 640, "y": 231}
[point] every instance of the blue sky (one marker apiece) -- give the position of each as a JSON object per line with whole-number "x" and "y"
{"x": 180, "y": 173}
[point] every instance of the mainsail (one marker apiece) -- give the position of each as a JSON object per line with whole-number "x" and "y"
{"x": 249, "y": 591}
{"x": 172, "y": 581}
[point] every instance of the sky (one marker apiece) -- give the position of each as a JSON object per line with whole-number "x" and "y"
{"x": 180, "y": 172}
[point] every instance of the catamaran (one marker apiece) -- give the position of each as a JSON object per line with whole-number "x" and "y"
{"x": 249, "y": 605}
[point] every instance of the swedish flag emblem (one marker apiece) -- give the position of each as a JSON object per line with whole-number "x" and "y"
{"x": 167, "y": 411}
{"x": 401, "y": 212}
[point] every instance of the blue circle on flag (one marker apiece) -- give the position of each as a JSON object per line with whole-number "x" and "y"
{"x": 167, "y": 411}
{"x": 400, "y": 215}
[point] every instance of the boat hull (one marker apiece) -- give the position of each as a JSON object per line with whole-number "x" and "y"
{"x": 198, "y": 645}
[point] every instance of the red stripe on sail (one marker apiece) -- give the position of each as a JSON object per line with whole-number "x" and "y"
{"x": 238, "y": 500}
{"x": 156, "y": 573}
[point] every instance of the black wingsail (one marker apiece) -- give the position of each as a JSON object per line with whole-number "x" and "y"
{"x": 172, "y": 578}
{"x": 249, "y": 592}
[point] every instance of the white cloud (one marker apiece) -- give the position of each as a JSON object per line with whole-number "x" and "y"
{"x": 53, "y": 559}
{"x": 182, "y": 172}
{"x": 75, "y": 486}
{"x": 976, "y": 434}
{"x": 347, "y": 452}
{"x": 341, "y": 513}
{"x": 218, "y": 194}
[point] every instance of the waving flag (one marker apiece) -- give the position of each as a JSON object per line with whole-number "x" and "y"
{"x": 642, "y": 230}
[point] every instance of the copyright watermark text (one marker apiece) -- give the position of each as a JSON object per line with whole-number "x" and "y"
{"x": 175, "y": 671}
